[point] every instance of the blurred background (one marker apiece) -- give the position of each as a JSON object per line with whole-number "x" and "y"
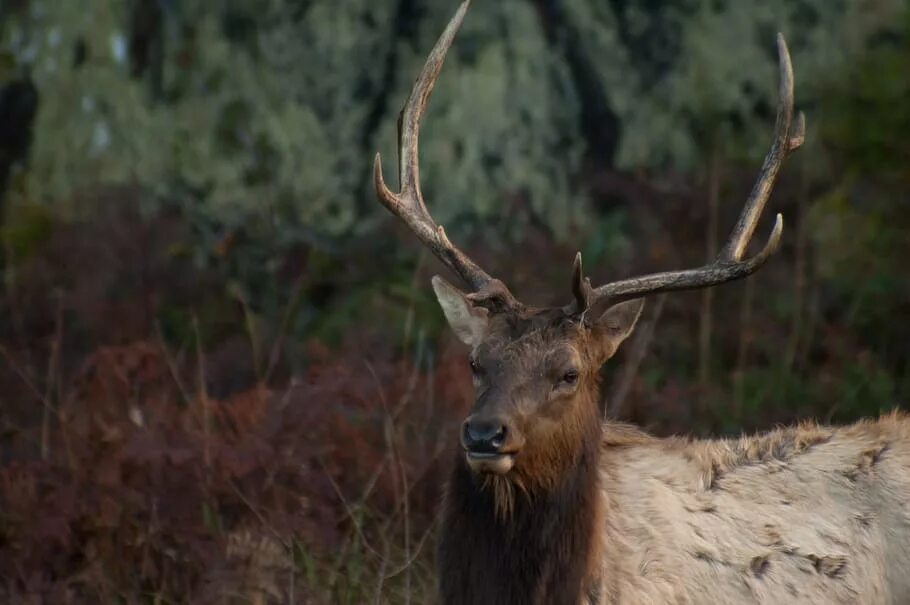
{"x": 223, "y": 378}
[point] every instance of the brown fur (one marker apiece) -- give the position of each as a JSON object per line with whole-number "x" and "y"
{"x": 604, "y": 513}
{"x": 525, "y": 538}
{"x": 542, "y": 551}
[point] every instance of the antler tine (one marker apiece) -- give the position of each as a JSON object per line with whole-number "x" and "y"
{"x": 581, "y": 287}
{"x": 729, "y": 266}
{"x": 780, "y": 148}
{"x": 408, "y": 204}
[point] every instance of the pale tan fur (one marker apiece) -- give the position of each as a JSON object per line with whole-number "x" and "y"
{"x": 808, "y": 514}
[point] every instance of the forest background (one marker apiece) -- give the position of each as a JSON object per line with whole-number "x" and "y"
{"x": 223, "y": 377}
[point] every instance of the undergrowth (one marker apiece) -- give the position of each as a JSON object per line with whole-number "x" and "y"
{"x": 147, "y": 489}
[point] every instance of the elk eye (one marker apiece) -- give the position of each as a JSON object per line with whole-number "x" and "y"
{"x": 475, "y": 368}
{"x": 570, "y": 377}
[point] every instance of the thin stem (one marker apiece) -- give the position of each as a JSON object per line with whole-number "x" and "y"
{"x": 706, "y": 315}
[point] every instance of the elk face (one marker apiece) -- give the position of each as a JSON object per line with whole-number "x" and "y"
{"x": 535, "y": 378}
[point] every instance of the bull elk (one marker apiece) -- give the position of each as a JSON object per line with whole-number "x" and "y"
{"x": 548, "y": 504}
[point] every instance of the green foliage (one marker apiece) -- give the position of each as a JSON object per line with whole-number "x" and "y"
{"x": 681, "y": 73}
{"x": 267, "y": 113}
{"x": 230, "y": 129}
{"x": 869, "y": 88}
{"x": 89, "y": 117}
{"x": 27, "y": 230}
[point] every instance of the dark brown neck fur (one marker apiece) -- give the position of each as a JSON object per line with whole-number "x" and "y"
{"x": 541, "y": 553}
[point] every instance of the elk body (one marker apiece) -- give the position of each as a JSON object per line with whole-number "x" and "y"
{"x": 548, "y": 505}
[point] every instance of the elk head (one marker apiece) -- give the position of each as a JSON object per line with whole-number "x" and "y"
{"x": 535, "y": 370}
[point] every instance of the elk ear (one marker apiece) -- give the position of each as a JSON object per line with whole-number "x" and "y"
{"x": 468, "y": 322}
{"x": 616, "y": 323}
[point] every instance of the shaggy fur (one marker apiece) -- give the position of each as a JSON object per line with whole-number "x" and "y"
{"x": 537, "y": 553}
{"x": 810, "y": 514}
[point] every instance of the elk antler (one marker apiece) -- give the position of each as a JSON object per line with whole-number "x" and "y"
{"x": 408, "y": 204}
{"x": 729, "y": 264}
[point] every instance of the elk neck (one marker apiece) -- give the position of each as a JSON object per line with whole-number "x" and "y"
{"x": 545, "y": 545}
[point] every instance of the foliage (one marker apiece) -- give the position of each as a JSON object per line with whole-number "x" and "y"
{"x": 234, "y": 114}
{"x": 682, "y": 73}
{"x": 149, "y": 493}
{"x": 230, "y": 113}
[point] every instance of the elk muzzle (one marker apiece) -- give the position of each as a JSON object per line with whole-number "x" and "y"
{"x": 490, "y": 444}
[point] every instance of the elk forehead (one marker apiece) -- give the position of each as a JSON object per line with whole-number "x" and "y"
{"x": 548, "y": 338}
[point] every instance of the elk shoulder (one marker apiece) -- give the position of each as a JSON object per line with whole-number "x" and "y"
{"x": 808, "y": 514}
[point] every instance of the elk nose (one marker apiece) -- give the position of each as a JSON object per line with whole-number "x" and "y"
{"x": 484, "y": 436}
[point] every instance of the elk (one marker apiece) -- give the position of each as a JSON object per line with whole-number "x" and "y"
{"x": 548, "y": 504}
